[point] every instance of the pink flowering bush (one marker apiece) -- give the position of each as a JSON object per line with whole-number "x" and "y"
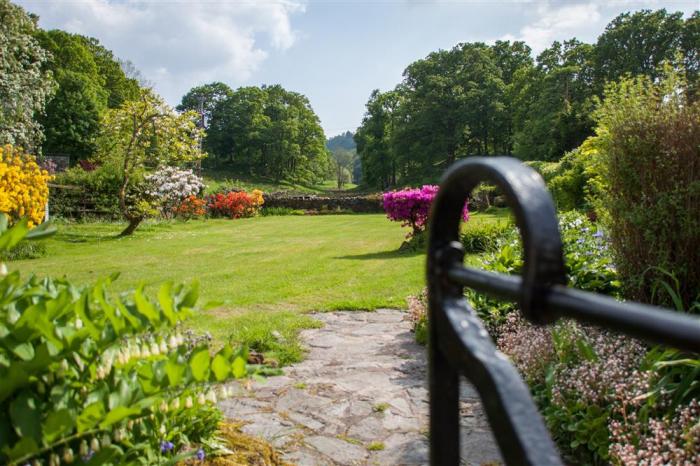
{"x": 412, "y": 207}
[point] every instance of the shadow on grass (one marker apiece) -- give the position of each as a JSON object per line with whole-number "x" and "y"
{"x": 395, "y": 254}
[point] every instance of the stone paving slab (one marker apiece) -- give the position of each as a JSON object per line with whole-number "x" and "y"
{"x": 359, "y": 398}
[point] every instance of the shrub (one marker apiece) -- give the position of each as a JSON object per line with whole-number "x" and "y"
{"x": 24, "y": 250}
{"x": 87, "y": 193}
{"x": 606, "y": 398}
{"x": 190, "y": 207}
{"x": 170, "y": 185}
{"x": 101, "y": 378}
{"x": 235, "y": 204}
{"x": 412, "y": 206}
{"x": 482, "y": 237}
{"x": 24, "y": 187}
{"x": 648, "y": 137}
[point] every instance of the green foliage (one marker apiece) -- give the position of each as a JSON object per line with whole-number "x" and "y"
{"x": 484, "y": 237}
{"x": 478, "y": 99}
{"x": 342, "y": 141}
{"x": 89, "y": 373}
{"x": 588, "y": 262}
{"x": 553, "y": 101}
{"x": 620, "y": 51}
{"x": 268, "y": 131}
{"x": 24, "y": 250}
{"x": 84, "y": 194}
{"x": 90, "y": 80}
{"x": 26, "y": 84}
{"x": 648, "y": 138}
{"x": 204, "y": 99}
{"x": 145, "y": 133}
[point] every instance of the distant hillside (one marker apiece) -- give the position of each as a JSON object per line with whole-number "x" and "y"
{"x": 341, "y": 141}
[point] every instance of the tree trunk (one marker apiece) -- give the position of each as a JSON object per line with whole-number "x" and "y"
{"x": 134, "y": 222}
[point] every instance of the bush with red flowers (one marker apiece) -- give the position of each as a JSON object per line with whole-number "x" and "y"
{"x": 235, "y": 204}
{"x": 190, "y": 207}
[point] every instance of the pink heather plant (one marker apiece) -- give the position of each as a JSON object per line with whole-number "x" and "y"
{"x": 412, "y": 207}
{"x": 530, "y": 347}
{"x": 660, "y": 441}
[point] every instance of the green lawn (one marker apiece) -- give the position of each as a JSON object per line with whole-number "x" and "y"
{"x": 216, "y": 178}
{"x": 265, "y": 271}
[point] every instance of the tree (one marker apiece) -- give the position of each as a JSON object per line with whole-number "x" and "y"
{"x": 118, "y": 85}
{"x": 145, "y": 133}
{"x": 203, "y": 100}
{"x": 25, "y": 85}
{"x": 90, "y": 80}
{"x": 637, "y": 43}
{"x": 373, "y": 139}
{"x": 72, "y": 119}
{"x": 344, "y": 161}
{"x": 553, "y": 102}
{"x": 269, "y": 131}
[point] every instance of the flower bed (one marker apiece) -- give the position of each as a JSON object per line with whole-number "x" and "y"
{"x": 606, "y": 398}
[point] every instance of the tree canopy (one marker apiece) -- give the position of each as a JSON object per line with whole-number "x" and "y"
{"x": 25, "y": 84}
{"x": 90, "y": 81}
{"x": 268, "y": 131}
{"x": 479, "y": 99}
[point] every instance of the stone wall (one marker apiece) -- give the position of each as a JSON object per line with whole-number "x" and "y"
{"x": 361, "y": 204}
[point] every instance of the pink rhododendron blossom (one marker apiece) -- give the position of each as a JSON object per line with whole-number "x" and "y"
{"x": 412, "y": 207}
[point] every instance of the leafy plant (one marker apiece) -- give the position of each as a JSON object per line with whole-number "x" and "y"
{"x": 483, "y": 237}
{"x": 648, "y": 142}
{"x": 101, "y": 378}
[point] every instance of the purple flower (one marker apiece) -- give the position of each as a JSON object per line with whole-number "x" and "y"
{"x": 166, "y": 446}
{"x": 598, "y": 234}
{"x": 200, "y": 454}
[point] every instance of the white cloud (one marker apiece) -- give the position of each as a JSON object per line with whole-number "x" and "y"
{"x": 176, "y": 43}
{"x": 554, "y": 22}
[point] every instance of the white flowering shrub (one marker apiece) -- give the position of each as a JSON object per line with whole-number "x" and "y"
{"x": 170, "y": 185}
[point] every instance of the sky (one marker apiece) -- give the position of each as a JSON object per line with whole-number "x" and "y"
{"x": 333, "y": 51}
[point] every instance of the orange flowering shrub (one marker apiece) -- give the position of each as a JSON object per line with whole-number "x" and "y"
{"x": 235, "y": 204}
{"x": 191, "y": 207}
{"x": 24, "y": 189}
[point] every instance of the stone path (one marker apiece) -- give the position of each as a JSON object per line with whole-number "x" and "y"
{"x": 359, "y": 398}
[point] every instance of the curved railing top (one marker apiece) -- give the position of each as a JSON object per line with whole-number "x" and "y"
{"x": 458, "y": 342}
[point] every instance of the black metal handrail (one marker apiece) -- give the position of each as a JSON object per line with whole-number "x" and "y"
{"x": 458, "y": 342}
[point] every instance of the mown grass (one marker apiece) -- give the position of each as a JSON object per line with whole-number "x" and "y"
{"x": 218, "y": 178}
{"x": 264, "y": 272}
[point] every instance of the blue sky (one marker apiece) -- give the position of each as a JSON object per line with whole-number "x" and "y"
{"x": 335, "y": 52}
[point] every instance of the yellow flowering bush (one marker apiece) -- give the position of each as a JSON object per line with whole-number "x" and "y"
{"x": 24, "y": 189}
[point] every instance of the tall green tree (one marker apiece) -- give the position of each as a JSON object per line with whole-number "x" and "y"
{"x": 25, "y": 84}
{"x": 553, "y": 102}
{"x": 374, "y": 140}
{"x": 637, "y": 43}
{"x": 119, "y": 87}
{"x": 268, "y": 131}
{"x": 90, "y": 81}
{"x": 203, "y": 100}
